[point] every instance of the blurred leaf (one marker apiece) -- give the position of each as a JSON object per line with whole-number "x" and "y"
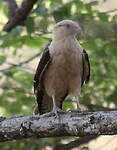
{"x": 2, "y": 59}
{"x": 93, "y": 3}
{"x": 8, "y": 73}
{"x": 30, "y": 25}
{"x": 41, "y": 10}
{"x": 103, "y": 16}
{"x": 63, "y": 12}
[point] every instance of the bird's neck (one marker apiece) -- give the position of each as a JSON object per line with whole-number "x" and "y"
{"x": 61, "y": 36}
{"x": 64, "y": 44}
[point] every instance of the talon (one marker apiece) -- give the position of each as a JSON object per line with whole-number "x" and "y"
{"x": 56, "y": 111}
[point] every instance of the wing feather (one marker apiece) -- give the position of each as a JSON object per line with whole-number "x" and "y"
{"x": 86, "y": 68}
{"x": 43, "y": 100}
{"x": 38, "y": 78}
{"x": 41, "y": 68}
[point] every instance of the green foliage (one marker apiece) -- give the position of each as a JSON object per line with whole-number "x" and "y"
{"x": 99, "y": 39}
{"x": 2, "y": 59}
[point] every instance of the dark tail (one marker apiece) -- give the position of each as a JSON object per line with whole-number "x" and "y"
{"x": 45, "y": 103}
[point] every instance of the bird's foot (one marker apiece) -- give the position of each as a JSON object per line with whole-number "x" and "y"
{"x": 56, "y": 111}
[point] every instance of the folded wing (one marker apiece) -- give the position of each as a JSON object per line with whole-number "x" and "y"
{"x": 86, "y": 68}
{"x": 45, "y": 103}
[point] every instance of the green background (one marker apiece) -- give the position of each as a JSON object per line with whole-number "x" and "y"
{"x": 99, "y": 38}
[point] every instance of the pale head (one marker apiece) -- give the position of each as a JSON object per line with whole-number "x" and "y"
{"x": 66, "y": 28}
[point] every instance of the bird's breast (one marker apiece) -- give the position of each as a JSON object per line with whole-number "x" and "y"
{"x": 67, "y": 61}
{"x": 64, "y": 72}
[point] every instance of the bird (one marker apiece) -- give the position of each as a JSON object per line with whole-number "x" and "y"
{"x": 63, "y": 69}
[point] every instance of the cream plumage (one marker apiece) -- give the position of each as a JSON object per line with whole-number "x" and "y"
{"x": 63, "y": 68}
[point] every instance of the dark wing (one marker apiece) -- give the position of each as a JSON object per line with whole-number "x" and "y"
{"x": 43, "y": 100}
{"x": 38, "y": 78}
{"x": 41, "y": 68}
{"x": 86, "y": 68}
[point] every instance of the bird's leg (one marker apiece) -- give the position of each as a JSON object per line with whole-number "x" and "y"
{"x": 54, "y": 104}
{"x": 76, "y": 100}
{"x": 55, "y": 109}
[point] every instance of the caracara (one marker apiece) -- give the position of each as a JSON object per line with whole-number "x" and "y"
{"x": 63, "y": 68}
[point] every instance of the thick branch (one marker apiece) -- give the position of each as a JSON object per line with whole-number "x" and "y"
{"x": 111, "y": 11}
{"x": 12, "y": 5}
{"x": 69, "y": 124}
{"x": 76, "y": 143}
{"x": 20, "y": 15}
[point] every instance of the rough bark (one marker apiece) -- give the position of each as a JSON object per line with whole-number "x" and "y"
{"x": 68, "y": 124}
{"x": 20, "y": 15}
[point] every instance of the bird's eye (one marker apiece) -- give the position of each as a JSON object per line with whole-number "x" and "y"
{"x": 60, "y": 25}
{"x": 67, "y": 25}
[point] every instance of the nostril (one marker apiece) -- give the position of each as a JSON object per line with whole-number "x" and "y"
{"x": 68, "y": 26}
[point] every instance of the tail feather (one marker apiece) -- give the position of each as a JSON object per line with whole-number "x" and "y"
{"x": 45, "y": 104}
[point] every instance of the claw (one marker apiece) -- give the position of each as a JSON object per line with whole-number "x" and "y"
{"x": 56, "y": 111}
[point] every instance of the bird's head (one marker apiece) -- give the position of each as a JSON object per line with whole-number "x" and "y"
{"x": 66, "y": 28}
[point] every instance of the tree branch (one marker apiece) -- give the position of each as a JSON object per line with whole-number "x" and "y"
{"x": 12, "y": 5}
{"x": 69, "y": 124}
{"x": 111, "y": 11}
{"x": 94, "y": 107}
{"x": 75, "y": 143}
{"x": 20, "y": 15}
{"x": 12, "y": 65}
